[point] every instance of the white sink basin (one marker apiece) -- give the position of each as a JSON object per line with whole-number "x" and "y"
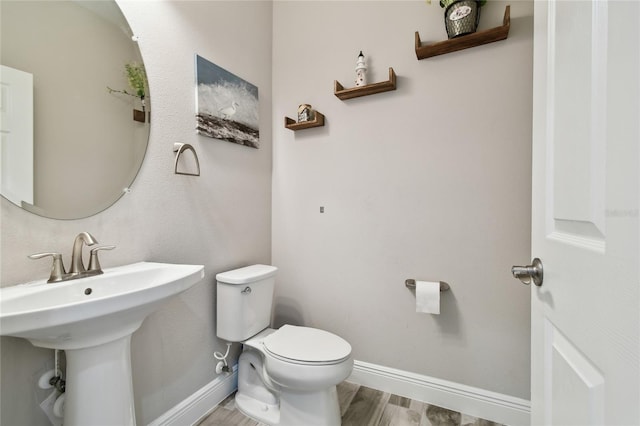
{"x": 85, "y": 312}
{"x": 93, "y": 319}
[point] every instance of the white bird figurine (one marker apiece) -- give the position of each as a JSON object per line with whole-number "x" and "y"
{"x": 228, "y": 112}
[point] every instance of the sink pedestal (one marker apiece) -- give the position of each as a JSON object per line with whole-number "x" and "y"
{"x": 98, "y": 385}
{"x": 92, "y": 320}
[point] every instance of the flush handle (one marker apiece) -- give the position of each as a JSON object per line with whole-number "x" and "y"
{"x": 530, "y": 273}
{"x": 247, "y": 290}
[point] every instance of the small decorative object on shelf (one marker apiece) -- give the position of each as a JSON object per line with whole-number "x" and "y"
{"x": 464, "y": 42}
{"x": 315, "y": 120}
{"x": 305, "y": 113}
{"x": 361, "y": 71}
{"x": 368, "y": 89}
{"x": 461, "y": 16}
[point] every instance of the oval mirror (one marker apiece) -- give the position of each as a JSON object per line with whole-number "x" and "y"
{"x": 74, "y": 105}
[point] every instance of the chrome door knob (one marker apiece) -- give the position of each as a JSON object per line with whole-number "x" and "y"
{"x": 530, "y": 273}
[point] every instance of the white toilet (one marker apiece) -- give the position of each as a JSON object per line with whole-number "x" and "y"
{"x": 287, "y": 376}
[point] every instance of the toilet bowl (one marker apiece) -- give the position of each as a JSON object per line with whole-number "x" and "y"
{"x": 286, "y": 376}
{"x": 299, "y": 368}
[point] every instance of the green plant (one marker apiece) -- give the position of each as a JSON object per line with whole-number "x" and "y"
{"x": 137, "y": 78}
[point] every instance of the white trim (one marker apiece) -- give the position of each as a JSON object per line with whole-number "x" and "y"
{"x": 201, "y": 403}
{"x": 454, "y": 396}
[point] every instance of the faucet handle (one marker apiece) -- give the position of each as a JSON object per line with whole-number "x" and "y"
{"x": 94, "y": 263}
{"x": 57, "y": 268}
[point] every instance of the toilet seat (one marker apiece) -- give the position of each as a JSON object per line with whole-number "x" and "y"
{"x": 305, "y": 345}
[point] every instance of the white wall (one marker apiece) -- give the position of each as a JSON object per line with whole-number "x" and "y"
{"x": 221, "y": 219}
{"x": 431, "y": 181}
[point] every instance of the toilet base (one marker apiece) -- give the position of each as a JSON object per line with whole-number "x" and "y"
{"x": 276, "y": 406}
{"x": 264, "y": 413}
{"x": 309, "y": 409}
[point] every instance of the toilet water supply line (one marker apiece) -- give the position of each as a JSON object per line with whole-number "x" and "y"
{"x": 57, "y": 381}
{"x": 222, "y": 366}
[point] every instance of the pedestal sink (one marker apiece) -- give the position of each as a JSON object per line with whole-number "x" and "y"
{"x": 93, "y": 319}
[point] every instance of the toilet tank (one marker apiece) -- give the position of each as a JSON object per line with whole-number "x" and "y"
{"x": 244, "y": 301}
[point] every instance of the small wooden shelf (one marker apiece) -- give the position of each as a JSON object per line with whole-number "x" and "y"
{"x": 317, "y": 121}
{"x": 369, "y": 89}
{"x": 466, "y": 41}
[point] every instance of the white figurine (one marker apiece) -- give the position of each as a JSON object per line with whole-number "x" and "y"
{"x": 361, "y": 71}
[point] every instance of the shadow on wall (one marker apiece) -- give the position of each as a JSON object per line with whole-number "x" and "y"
{"x": 448, "y": 322}
{"x": 286, "y": 311}
{"x": 521, "y": 28}
{"x": 289, "y": 311}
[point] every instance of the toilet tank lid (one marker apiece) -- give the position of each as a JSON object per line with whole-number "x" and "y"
{"x": 247, "y": 275}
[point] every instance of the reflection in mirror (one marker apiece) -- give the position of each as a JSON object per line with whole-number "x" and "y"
{"x": 72, "y": 141}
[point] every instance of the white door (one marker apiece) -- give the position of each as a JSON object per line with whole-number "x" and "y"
{"x": 16, "y": 135}
{"x": 586, "y": 315}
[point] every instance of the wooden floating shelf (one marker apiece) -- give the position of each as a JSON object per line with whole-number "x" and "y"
{"x": 466, "y": 41}
{"x": 317, "y": 121}
{"x": 369, "y": 89}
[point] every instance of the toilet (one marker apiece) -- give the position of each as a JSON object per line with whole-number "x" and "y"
{"x": 286, "y": 376}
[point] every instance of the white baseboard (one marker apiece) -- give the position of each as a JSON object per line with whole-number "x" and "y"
{"x": 201, "y": 403}
{"x": 454, "y": 396}
{"x": 476, "y": 402}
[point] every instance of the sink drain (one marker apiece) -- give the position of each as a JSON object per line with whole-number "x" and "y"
{"x": 87, "y": 291}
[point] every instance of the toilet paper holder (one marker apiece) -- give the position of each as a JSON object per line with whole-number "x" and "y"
{"x": 411, "y": 283}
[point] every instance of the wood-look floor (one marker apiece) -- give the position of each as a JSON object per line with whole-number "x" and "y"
{"x": 363, "y": 406}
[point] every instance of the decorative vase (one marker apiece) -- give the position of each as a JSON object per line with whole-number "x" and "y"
{"x": 461, "y": 16}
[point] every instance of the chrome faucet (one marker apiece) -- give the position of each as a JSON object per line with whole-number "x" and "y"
{"x": 77, "y": 266}
{"x": 58, "y": 272}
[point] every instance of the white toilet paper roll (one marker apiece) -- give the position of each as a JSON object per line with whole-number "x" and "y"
{"x": 428, "y": 297}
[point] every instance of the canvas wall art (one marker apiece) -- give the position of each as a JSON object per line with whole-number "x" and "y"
{"x": 227, "y": 106}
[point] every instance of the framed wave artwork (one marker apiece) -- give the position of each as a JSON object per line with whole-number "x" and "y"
{"x": 227, "y": 106}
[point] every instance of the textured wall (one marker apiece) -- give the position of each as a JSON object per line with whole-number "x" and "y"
{"x": 431, "y": 181}
{"x": 221, "y": 219}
